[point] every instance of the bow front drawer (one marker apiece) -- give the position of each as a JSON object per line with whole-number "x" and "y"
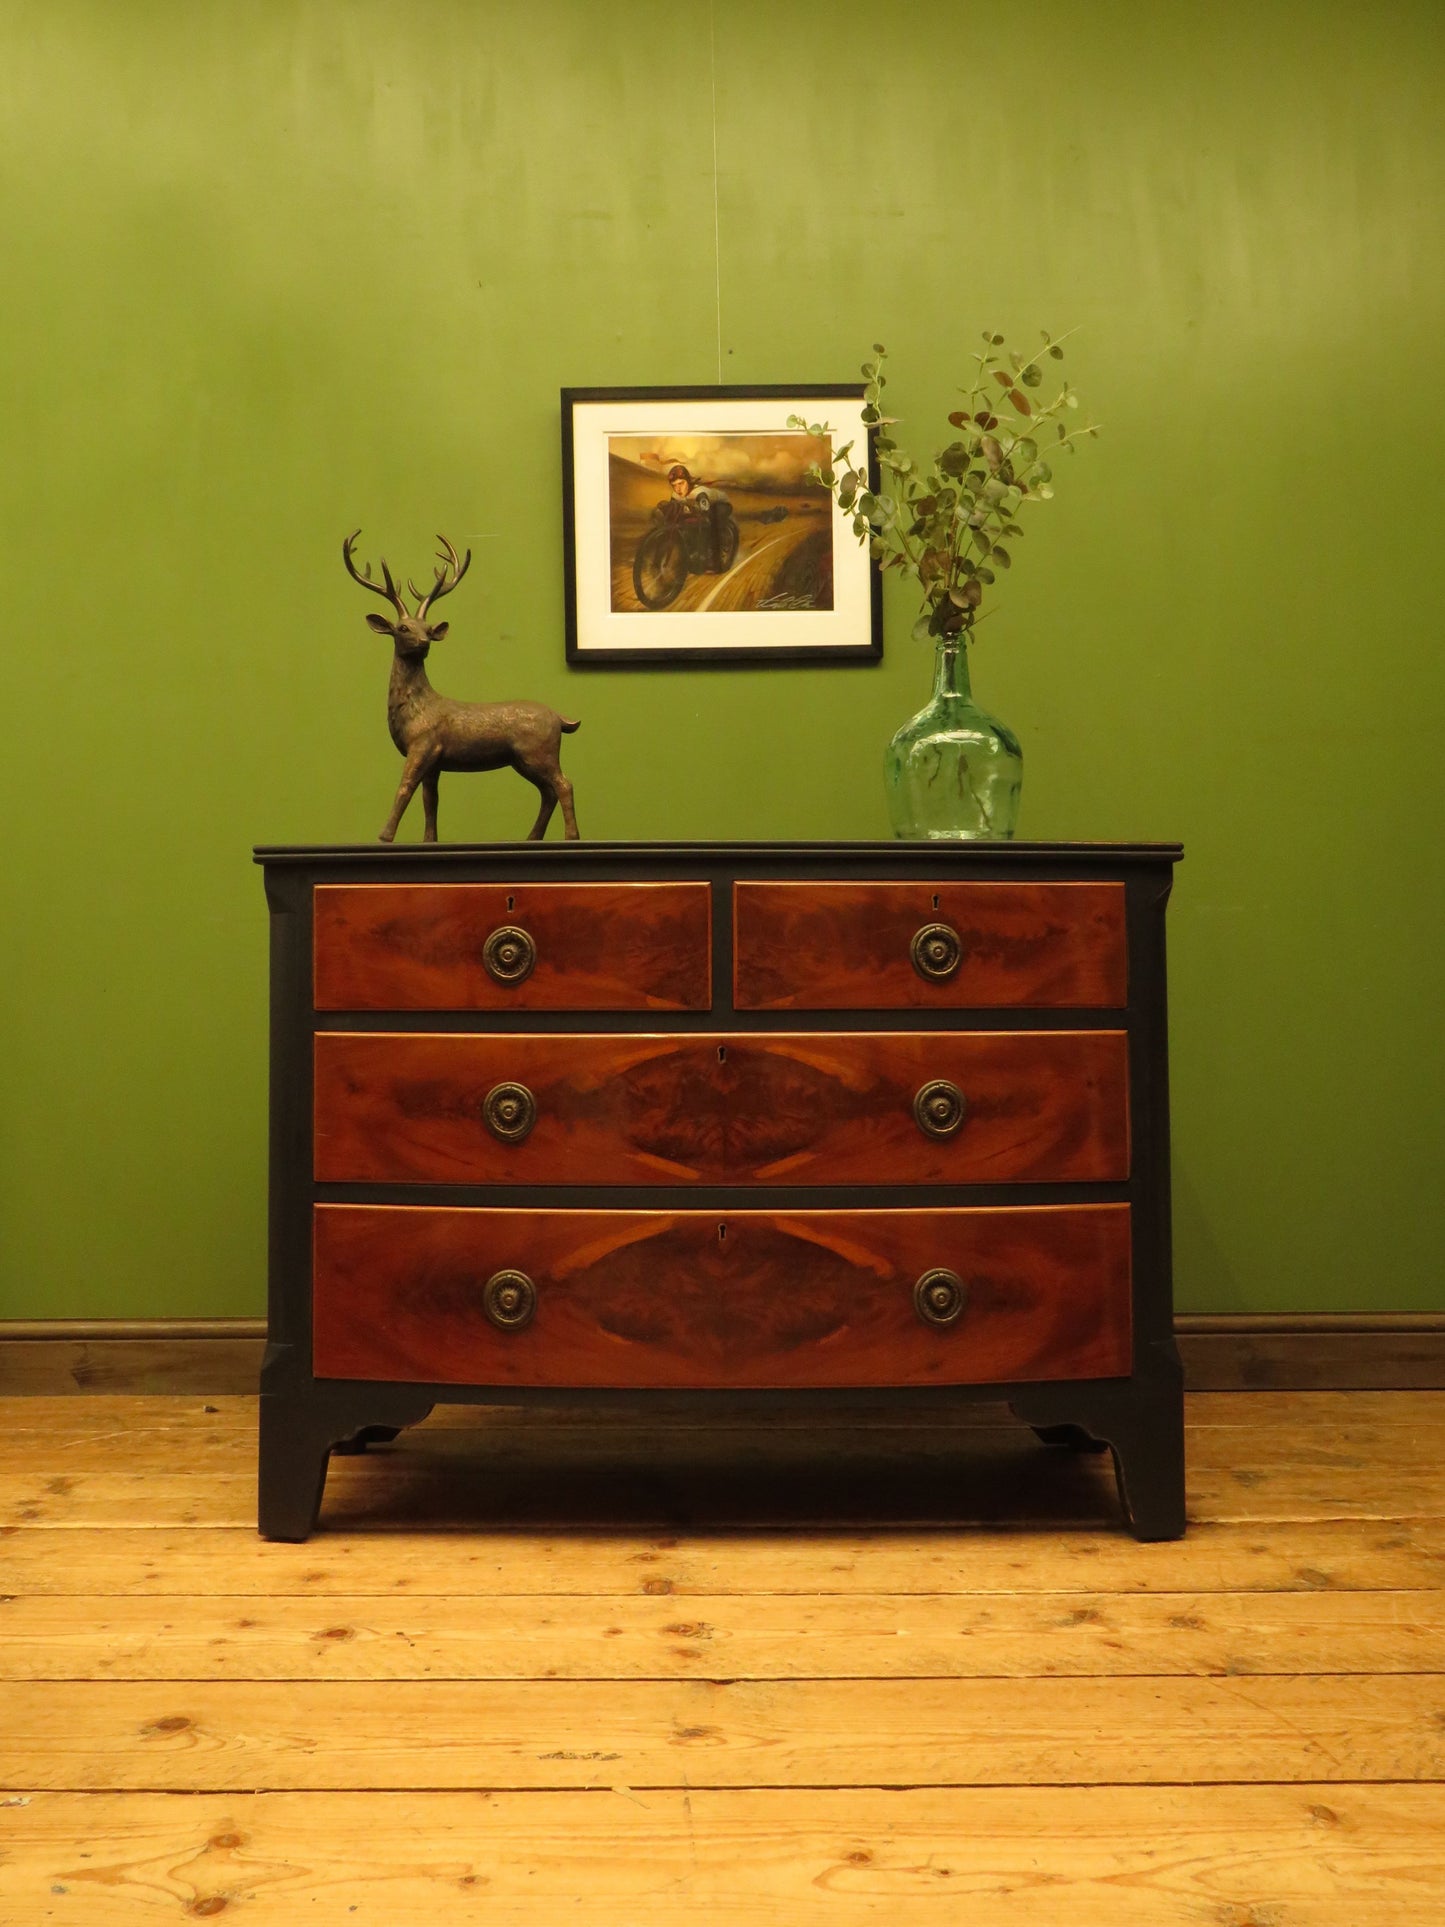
{"x": 859, "y": 1107}
{"x": 523, "y": 946}
{"x": 757, "y": 1299}
{"x": 922, "y": 946}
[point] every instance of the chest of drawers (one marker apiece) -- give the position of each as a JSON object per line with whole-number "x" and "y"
{"x": 719, "y": 1121}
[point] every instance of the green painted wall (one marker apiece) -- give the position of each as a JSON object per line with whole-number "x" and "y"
{"x": 275, "y": 269}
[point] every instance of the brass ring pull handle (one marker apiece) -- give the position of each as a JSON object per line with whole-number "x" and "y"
{"x": 509, "y": 954}
{"x": 939, "y": 1108}
{"x": 937, "y": 951}
{"x": 509, "y": 1111}
{"x": 940, "y": 1298}
{"x": 509, "y": 1299}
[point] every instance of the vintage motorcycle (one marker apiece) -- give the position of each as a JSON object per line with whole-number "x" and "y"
{"x": 683, "y": 541}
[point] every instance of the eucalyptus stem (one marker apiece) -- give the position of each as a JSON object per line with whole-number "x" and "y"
{"x": 946, "y": 528}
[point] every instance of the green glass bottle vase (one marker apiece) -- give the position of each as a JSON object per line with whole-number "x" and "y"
{"x": 953, "y": 772}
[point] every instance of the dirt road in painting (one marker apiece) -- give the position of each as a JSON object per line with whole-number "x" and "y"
{"x": 777, "y": 562}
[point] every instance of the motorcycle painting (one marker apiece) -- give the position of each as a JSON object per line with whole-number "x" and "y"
{"x": 725, "y": 522}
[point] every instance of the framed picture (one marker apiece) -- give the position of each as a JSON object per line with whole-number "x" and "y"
{"x": 693, "y": 534}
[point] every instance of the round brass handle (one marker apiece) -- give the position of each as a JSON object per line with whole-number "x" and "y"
{"x": 937, "y": 951}
{"x": 509, "y": 1299}
{"x": 940, "y": 1298}
{"x": 939, "y": 1108}
{"x": 509, "y": 1111}
{"x": 509, "y": 954}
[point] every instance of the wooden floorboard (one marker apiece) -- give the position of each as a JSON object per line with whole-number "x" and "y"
{"x": 1298, "y": 1856}
{"x": 639, "y": 1670}
{"x": 844, "y": 1636}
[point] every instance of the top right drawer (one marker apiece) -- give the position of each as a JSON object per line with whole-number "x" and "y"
{"x": 929, "y": 946}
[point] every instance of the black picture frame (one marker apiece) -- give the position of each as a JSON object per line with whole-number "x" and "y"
{"x": 739, "y": 571}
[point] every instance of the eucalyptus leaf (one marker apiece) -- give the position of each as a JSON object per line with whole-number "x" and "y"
{"x": 1001, "y": 556}
{"x": 1032, "y": 376}
{"x": 985, "y": 575}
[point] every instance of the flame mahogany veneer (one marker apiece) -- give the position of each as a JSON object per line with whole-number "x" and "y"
{"x": 802, "y": 1108}
{"x": 751, "y": 1298}
{"x": 720, "y": 1176}
{"x": 600, "y": 946}
{"x": 845, "y": 946}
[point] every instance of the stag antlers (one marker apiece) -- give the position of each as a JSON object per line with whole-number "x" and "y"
{"x": 447, "y": 577}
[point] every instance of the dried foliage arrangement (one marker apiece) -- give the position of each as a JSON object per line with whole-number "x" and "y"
{"x": 955, "y": 522}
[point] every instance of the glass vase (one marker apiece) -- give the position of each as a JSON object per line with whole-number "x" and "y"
{"x": 953, "y": 772}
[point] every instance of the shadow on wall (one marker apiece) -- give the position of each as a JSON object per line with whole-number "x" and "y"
{"x": 1203, "y": 1279}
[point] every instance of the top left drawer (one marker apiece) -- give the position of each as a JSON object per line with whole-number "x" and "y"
{"x": 513, "y": 946}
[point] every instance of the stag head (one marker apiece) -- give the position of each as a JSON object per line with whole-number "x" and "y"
{"x": 412, "y": 634}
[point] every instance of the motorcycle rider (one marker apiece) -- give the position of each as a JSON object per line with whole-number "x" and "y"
{"x": 691, "y": 496}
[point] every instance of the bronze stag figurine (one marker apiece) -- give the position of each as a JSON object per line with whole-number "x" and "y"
{"x": 434, "y": 733}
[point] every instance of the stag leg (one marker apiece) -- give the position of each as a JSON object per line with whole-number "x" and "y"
{"x": 563, "y": 791}
{"x": 430, "y": 784}
{"x": 549, "y": 803}
{"x": 417, "y": 765}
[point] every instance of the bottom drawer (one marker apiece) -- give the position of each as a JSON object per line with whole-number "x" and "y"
{"x": 420, "y": 1294}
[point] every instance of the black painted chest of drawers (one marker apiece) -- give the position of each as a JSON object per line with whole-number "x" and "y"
{"x": 601, "y": 1121}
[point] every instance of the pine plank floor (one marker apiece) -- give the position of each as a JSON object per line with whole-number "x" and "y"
{"x": 630, "y": 1671}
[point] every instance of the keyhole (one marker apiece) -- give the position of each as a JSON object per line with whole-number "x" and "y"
{"x": 722, "y": 1053}
{"x": 512, "y": 903}
{"x": 722, "y": 1232}
{"x": 509, "y": 903}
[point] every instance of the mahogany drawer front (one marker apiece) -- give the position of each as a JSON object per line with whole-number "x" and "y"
{"x": 850, "y": 946}
{"x": 755, "y": 1108}
{"x": 701, "y": 1299}
{"x": 594, "y": 946}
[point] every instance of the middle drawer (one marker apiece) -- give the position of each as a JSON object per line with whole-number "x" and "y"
{"x": 861, "y": 1107}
